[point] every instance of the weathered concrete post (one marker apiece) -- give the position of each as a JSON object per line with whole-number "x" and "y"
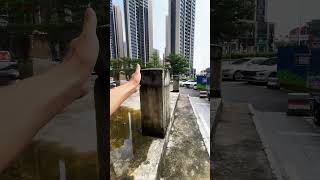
{"x": 175, "y": 83}
{"x": 25, "y": 62}
{"x": 155, "y": 101}
{"x": 215, "y": 77}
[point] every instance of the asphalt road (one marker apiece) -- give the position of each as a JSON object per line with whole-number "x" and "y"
{"x": 262, "y": 98}
{"x": 191, "y": 92}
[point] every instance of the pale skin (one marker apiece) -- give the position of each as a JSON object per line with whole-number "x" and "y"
{"x": 31, "y": 103}
{"x": 119, "y": 94}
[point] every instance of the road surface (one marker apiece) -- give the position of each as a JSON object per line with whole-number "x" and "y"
{"x": 262, "y": 98}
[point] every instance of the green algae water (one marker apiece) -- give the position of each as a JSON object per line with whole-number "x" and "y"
{"x": 128, "y": 148}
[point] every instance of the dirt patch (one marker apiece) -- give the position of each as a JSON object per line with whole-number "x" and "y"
{"x": 238, "y": 153}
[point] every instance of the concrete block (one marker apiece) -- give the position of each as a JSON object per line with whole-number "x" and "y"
{"x": 298, "y": 104}
{"x": 155, "y": 101}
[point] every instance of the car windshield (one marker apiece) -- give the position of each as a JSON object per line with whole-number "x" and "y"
{"x": 257, "y": 61}
{"x": 273, "y": 74}
{"x": 240, "y": 61}
{"x": 269, "y": 62}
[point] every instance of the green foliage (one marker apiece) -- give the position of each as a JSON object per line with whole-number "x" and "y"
{"x": 227, "y": 16}
{"x": 177, "y": 64}
{"x": 288, "y": 78}
{"x": 123, "y": 65}
{"x": 22, "y": 15}
{"x": 154, "y": 61}
{"x": 129, "y": 66}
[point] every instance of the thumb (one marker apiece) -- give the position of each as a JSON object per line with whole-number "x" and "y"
{"x": 90, "y": 22}
{"x": 138, "y": 68}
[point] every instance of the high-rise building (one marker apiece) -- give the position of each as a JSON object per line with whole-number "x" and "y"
{"x": 112, "y": 33}
{"x": 167, "y": 48}
{"x": 118, "y": 45}
{"x": 139, "y": 33}
{"x": 182, "y": 22}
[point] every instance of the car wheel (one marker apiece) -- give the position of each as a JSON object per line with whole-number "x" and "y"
{"x": 237, "y": 76}
{"x": 316, "y": 118}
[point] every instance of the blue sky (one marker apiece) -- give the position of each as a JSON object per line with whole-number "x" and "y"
{"x": 202, "y": 30}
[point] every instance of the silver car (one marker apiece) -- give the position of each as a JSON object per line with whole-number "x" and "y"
{"x": 259, "y": 73}
{"x": 233, "y": 71}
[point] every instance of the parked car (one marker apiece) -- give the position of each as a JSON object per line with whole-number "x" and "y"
{"x": 195, "y": 87}
{"x": 273, "y": 81}
{"x": 260, "y": 72}
{"x": 181, "y": 83}
{"x": 113, "y": 84}
{"x": 232, "y": 71}
{"x": 315, "y": 108}
{"x": 9, "y": 72}
{"x": 190, "y": 83}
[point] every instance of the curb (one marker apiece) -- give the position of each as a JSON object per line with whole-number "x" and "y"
{"x": 215, "y": 119}
{"x": 199, "y": 120}
{"x": 276, "y": 169}
{"x": 166, "y": 139}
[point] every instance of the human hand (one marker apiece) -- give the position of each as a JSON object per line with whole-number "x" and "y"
{"x": 83, "y": 51}
{"x": 136, "y": 76}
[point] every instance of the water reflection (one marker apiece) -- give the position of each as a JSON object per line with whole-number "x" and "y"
{"x": 52, "y": 161}
{"x": 128, "y": 147}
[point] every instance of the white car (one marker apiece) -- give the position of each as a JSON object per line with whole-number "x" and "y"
{"x": 232, "y": 71}
{"x": 259, "y": 73}
{"x": 181, "y": 83}
{"x": 273, "y": 81}
{"x": 190, "y": 83}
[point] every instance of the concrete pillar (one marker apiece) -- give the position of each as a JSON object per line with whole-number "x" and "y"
{"x": 155, "y": 101}
{"x": 25, "y": 62}
{"x": 215, "y": 74}
{"x": 175, "y": 83}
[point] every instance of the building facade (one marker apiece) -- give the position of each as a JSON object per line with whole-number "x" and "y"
{"x": 112, "y": 33}
{"x": 118, "y": 44}
{"x": 182, "y": 22}
{"x": 139, "y": 32}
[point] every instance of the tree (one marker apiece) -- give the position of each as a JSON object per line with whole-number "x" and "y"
{"x": 154, "y": 61}
{"x": 129, "y": 66}
{"x": 115, "y": 68}
{"x": 177, "y": 64}
{"x": 229, "y": 18}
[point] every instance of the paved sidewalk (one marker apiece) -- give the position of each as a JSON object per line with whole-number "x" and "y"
{"x": 186, "y": 156}
{"x": 238, "y": 151}
{"x": 293, "y": 143}
{"x": 201, "y": 109}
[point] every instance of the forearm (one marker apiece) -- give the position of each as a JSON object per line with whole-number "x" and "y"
{"x": 31, "y": 103}
{"x": 119, "y": 94}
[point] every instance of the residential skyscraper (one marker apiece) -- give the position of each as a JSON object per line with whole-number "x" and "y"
{"x": 167, "y": 48}
{"x": 118, "y": 45}
{"x": 112, "y": 33}
{"x": 139, "y": 33}
{"x": 182, "y": 22}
